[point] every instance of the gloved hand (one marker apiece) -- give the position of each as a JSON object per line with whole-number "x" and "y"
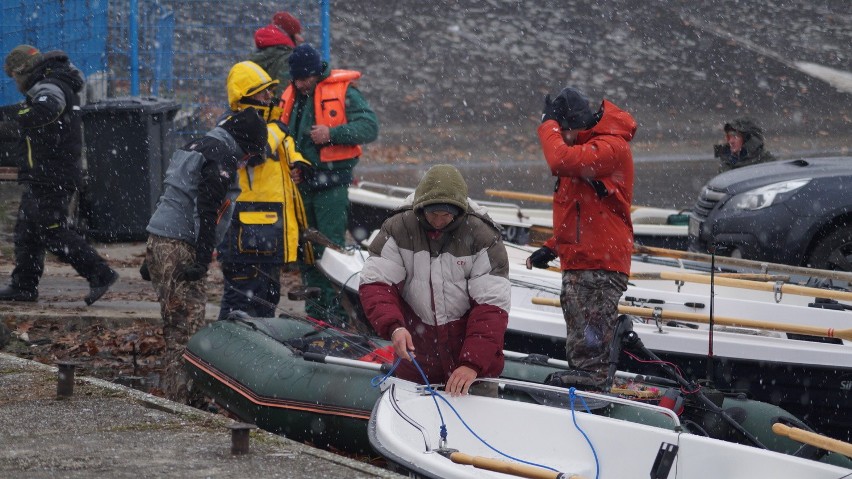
{"x": 301, "y": 171}
{"x": 191, "y": 272}
{"x": 541, "y": 257}
{"x": 551, "y": 110}
{"x": 144, "y": 272}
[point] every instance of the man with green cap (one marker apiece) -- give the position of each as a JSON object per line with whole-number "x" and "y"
{"x": 436, "y": 284}
{"x": 48, "y": 124}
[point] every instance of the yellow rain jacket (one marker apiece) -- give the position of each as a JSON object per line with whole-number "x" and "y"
{"x": 269, "y": 213}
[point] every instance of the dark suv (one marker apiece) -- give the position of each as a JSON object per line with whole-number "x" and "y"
{"x": 796, "y": 212}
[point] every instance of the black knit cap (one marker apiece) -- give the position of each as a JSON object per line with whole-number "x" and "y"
{"x": 248, "y": 130}
{"x": 576, "y": 113}
{"x": 305, "y": 61}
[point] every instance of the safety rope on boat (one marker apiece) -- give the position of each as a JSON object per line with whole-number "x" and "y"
{"x": 572, "y": 395}
{"x": 443, "y": 430}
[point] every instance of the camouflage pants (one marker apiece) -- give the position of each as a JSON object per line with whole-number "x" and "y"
{"x": 182, "y": 306}
{"x": 590, "y": 306}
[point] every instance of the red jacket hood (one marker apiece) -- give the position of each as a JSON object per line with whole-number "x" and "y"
{"x": 614, "y": 121}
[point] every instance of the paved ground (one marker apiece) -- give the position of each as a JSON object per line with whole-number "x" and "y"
{"x": 109, "y": 431}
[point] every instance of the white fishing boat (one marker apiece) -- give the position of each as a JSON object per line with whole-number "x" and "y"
{"x": 787, "y": 354}
{"x": 481, "y": 435}
{"x": 371, "y": 203}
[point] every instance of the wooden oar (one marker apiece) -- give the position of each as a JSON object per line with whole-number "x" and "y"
{"x": 757, "y": 285}
{"x": 812, "y": 438}
{"x": 743, "y": 276}
{"x": 722, "y": 320}
{"x": 743, "y": 263}
{"x": 518, "y": 195}
{"x": 520, "y": 470}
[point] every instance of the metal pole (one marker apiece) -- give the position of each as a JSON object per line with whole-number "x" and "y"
{"x": 65, "y": 379}
{"x": 240, "y": 437}
{"x": 134, "y": 47}
{"x": 325, "y": 21}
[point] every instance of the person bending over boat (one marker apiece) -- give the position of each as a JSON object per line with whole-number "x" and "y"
{"x": 588, "y": 152}
{"x": 437, "y": 284}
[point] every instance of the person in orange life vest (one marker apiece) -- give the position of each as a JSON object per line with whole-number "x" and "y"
{"x": 589, "y": 153}
{"x": 329, "y": 118}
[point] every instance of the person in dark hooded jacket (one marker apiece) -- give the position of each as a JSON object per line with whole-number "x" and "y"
{"x": 743, "y": 146}
{"x": 49, "y": 127}
{"x": 589, "y": 154}
{"x": 436, "y": 284}
{"x": 191, "y": 218}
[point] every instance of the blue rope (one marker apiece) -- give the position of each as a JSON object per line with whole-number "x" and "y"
{"x": 432, "y": 393}
{"x": 378, "y": 380}
{"x": 435, "y": 394}
{"x": 572, "y": 395}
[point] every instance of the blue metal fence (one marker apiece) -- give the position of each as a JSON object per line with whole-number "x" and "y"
{"x": 78, "y": 27}
{"x": 178, "y": 49}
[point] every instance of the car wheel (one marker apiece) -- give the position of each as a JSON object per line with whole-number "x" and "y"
{"x": 834, "y": 251}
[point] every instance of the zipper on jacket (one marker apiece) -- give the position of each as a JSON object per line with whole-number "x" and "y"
{"x": 577, "y": 204}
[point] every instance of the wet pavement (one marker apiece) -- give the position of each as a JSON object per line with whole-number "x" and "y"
{"x": 103, "y": 430}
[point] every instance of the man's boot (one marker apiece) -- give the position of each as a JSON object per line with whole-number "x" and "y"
{"x": 98, "y": 290}
{"x": 13, "y": 293}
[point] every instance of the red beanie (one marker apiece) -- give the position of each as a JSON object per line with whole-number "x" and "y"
{"x": 288, "y": 23}
{"x": 271, "y": 36}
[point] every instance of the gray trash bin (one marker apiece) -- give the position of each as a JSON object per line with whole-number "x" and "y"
{"x": 128, "y": 147}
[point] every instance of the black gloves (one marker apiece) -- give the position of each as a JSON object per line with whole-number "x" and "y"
{"x": 541, "y": 257}
{"x": 143, "y": 271}
{"x": 302, "y": 172}
{"x": 191, "y": 272}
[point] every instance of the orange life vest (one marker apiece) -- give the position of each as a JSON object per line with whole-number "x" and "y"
{"x": 329, "y": 110}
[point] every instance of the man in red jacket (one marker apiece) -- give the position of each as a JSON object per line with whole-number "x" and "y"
{"x": 588, "y": 152}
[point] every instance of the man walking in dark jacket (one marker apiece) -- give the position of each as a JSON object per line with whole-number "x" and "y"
{"x": 49, "y": 126}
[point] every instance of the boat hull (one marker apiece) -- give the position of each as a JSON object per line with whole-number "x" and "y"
{"x": 404, "y": 427}
{"x": 251, "y": 368}
{"x": 819, "y": 395}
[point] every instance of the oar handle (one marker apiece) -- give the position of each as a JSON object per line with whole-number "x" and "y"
{"x": 519, "y": 470}
{"x": 758, "y": 285}
{"x": 720, "y": 320}
{"x": 742, "y": 263}
{"x": 353, "y": 363}
{"x": 812, "y": 438}
{"x": 517, "y": 195}
{"x": 652, "y": 275}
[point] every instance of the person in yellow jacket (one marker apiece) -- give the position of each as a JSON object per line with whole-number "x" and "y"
{"x": 269, "y": 213}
